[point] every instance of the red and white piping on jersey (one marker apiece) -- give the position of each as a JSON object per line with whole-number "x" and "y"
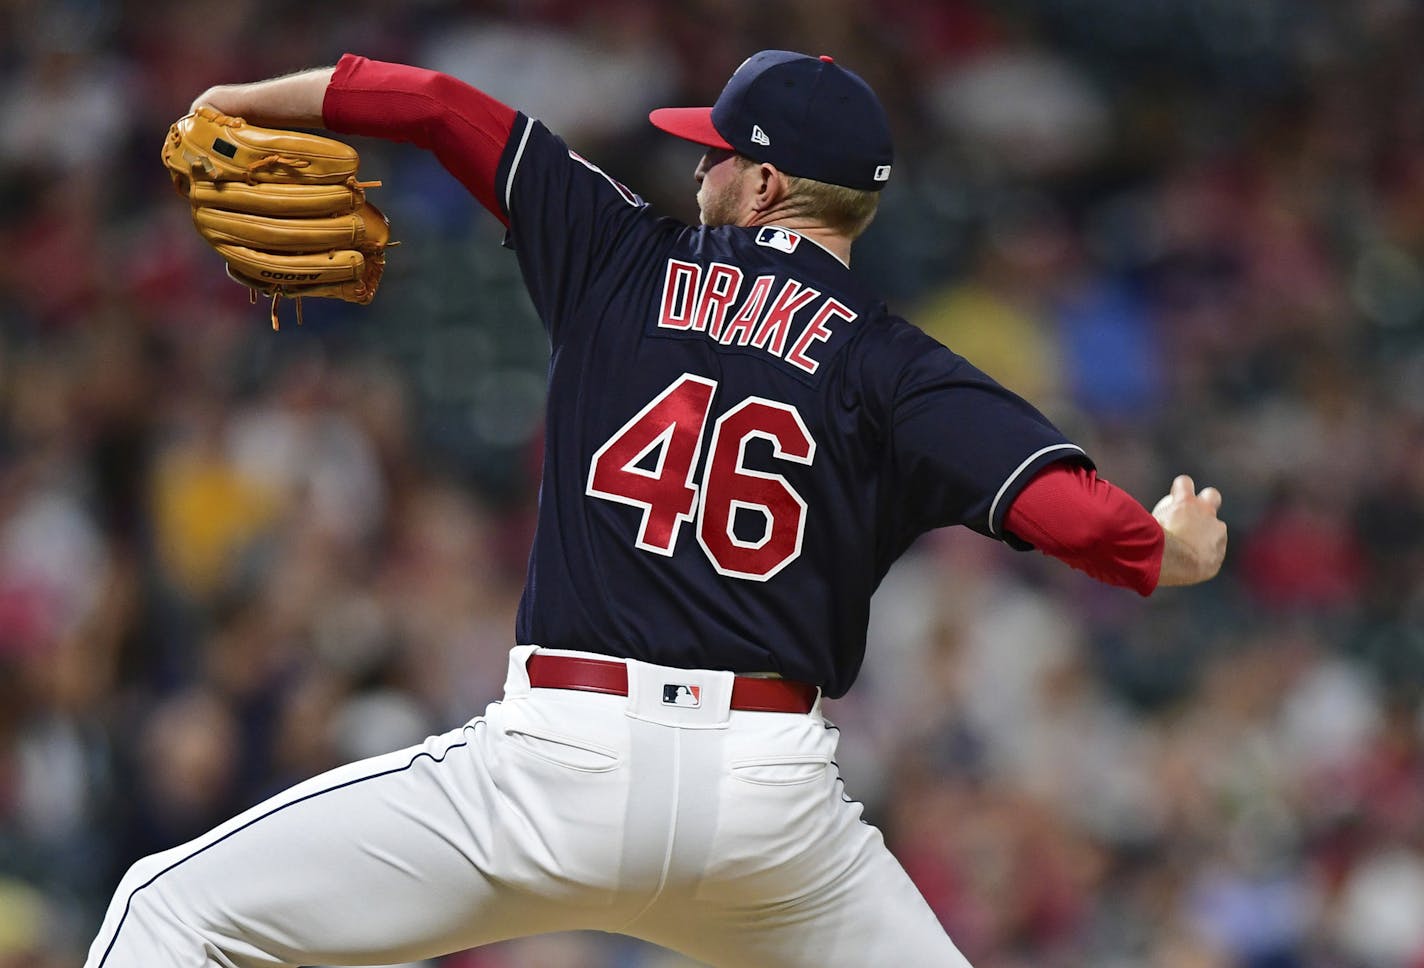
{"x": 514, "y": 163}
{"x": 1029, "y": 460}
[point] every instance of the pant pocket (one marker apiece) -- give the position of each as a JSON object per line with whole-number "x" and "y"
{"x": 570, "y": 752}
{"x": 789, "y": 769}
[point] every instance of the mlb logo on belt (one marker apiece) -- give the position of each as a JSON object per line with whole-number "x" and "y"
{"x": 677, "y": 694}
{"x": 774, "y": 237}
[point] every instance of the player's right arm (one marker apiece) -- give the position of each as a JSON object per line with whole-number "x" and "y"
{"x": 464, "y": 128}
{"x": 1084, "y": 521}
{"x": 967, "y": 451}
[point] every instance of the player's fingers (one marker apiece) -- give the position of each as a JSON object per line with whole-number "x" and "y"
{"x": 1211, "y": 496}
{"x": 1183, "y": 487}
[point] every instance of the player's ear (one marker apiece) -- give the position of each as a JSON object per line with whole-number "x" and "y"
{"x": 770, "y": 187}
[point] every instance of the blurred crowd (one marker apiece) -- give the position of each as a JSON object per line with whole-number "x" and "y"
{"x": 1191, "y": 231}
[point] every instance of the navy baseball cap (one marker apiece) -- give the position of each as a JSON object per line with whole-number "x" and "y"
{"x": 808, "y": 116}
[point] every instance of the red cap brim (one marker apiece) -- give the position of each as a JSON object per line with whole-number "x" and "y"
{"x": 692, "y": 124}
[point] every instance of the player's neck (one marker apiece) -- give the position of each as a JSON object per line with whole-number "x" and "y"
{"x": 833, "y": 242}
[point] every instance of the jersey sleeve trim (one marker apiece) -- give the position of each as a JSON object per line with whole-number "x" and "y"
{"x": 514, "y": 163}
{"x": 1000, "y": 506}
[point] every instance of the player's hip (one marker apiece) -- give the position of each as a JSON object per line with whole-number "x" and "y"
{"x": 581, "y": 709}
{"x": 668, "y": 812}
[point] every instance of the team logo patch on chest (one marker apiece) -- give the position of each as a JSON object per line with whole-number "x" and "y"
{"x": 779, "y": 239}
{"x": 678, "y": 694}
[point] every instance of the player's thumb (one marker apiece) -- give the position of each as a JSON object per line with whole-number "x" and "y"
{"x": 1183, "y": 487}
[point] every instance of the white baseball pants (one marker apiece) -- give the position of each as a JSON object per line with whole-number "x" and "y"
{"x": 721, "y": 834}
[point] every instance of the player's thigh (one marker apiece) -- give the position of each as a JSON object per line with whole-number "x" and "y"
{"x": 872, "y": 914}
{"x": 792, "y": 877}
{"x": 380, "y": 861}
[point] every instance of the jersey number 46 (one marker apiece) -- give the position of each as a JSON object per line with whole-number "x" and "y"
{"x": 672, "y": 425}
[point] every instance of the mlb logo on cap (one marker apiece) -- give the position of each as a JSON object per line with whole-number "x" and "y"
{"x": 678, "y": 694}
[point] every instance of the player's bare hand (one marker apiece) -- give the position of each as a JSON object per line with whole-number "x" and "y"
{"x": 1195, "y": 536}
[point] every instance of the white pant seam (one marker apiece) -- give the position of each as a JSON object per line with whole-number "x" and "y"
{"x": 671, "y": 831}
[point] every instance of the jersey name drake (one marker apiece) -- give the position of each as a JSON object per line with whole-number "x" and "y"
{"x": 721, "y": 303}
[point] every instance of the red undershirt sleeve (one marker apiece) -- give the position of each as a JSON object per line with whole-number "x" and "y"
{"x": 465, "y": 128}
{"x": 1068, "y": 512}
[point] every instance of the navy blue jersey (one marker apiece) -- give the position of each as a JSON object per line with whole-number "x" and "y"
{"x": 740, "y": 438}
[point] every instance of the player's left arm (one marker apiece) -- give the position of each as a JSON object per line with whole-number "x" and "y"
{"x": 465, "y": 128}
{"x": 1067, "y": 511}
{"x": 291, "y": 101}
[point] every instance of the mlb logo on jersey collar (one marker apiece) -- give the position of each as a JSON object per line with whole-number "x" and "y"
{"x": 678, "y": 694}
{"x": 774, "y": 237}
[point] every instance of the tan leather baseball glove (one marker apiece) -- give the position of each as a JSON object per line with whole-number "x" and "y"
{"x": 283, "y": 208}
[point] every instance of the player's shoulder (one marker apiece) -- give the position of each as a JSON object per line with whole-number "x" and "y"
{"x": 889, "y": 346}
{"x": 892, "y": 361}
{"x": 536, "y": 154}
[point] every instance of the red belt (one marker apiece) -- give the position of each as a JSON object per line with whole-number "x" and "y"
{"x": 749, "y": 694}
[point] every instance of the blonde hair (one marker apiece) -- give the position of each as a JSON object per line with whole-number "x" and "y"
{"x": 848, "y": 211}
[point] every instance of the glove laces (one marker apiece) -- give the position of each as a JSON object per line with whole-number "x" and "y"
{"x": 276, "y": 297}
{"x": 272, "y": 161}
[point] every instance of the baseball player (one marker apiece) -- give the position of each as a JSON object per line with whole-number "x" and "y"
{"x": 741, "y": 440}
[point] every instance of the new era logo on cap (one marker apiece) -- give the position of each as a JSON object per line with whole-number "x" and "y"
{"x": 882, "y": 173}
{"x": 678, "y": 694}
{"x": 759, "y": 136}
